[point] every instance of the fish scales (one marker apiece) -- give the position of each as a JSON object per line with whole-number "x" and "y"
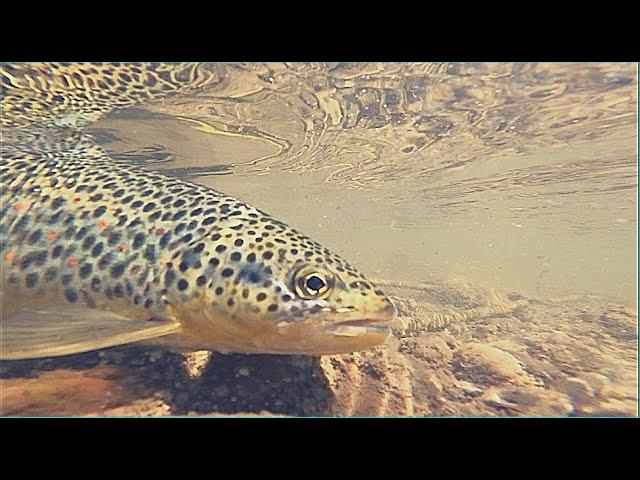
{"x": 84, "y": 236}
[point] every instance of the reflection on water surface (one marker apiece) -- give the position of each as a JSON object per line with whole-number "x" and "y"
{"x": 521, "y": 177}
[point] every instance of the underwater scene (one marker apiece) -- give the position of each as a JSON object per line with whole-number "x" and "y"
{"x": 319, "y": 239}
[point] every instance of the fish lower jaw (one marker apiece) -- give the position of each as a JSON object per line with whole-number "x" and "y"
{"x": 353, "y": 328}
{"x": 354, "y": 331}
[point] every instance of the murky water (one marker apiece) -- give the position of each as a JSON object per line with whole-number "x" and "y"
{"x": 517, "y": 176}
{"x": 495, "y": 203}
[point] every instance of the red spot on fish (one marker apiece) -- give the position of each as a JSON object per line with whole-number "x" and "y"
{"x": 121, "y": 247}
{"x": 77, "y": 199}
{"x": 9, "y": 256}
{"x": 102, "y": 224}
{"x": 52, "y": 235}
{"x": 19, "y": 207}
{"x": 72, "y": 262}
{"x": 135, "y": 269}
{"x": 159, "y": 231}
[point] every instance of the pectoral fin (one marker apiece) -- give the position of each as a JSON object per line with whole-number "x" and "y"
{"x": 43, "y": 333}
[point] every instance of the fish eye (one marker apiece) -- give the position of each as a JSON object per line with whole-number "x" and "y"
{"x": 309, "y": 283}
{"x": 315, "y": 283}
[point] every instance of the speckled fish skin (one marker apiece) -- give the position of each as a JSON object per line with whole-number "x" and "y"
{"x": 80, "y": 229}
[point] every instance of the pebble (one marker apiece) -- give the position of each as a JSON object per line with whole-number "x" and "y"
{"x": 468, "y": 388}
{"x": 578, "y": 390}
{"x": 493, "y": 360}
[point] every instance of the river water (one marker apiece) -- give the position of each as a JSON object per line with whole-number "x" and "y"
{"x": 521, "y": 177}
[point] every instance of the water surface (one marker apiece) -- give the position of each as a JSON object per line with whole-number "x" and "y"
{"x": 518, "y": 176}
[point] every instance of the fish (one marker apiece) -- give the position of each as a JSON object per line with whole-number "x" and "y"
{"x": 96, "y": 252}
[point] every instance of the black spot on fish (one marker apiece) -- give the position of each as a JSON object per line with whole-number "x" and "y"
{"x": 135, "y": 222}
{"x": 235, "y": 256}
{"x": 219, "y": 290}
{"x": 55, "y": 218}
{"x": 58, "y": 202}
{"x": 88, "y": 242}
{"x": 169, "y": 277}
{"x": 31, "y": 280}
{"x": 105, "y": 260}
{"x": 98, "y": 212}
{"x": 50, "y": 274}
{"x": 81, "y": 233}
{"x": 165, "y": 239}
{"x": 70, "y": 295}
{"x": 139, "y": 240}
{"x": 117, "y": 270}
{"x": 227, "y": 272}
{"x": 86, "y": 270}
{"x": 150, "y": 253}
{"x": 273, "y": 307}
{"x": 261, "y": 296}
{"x": 35, "y": 237}
{"x": 97, "y": 249}
{"x": 57, "y": 251}
{"x": 201, "y": 280}
{"x": 183, "y": 284}
{"x": 114, "y": 238}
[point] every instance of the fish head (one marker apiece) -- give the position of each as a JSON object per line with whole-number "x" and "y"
{"x": 284, "y": 293}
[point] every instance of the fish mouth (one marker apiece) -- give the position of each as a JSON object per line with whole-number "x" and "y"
{"x": 359, "y": 326}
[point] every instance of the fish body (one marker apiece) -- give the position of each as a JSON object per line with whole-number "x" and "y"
{"x": 96, "y": 252}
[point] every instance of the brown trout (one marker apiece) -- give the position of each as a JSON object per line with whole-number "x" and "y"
{"x": 96, "y": 252}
